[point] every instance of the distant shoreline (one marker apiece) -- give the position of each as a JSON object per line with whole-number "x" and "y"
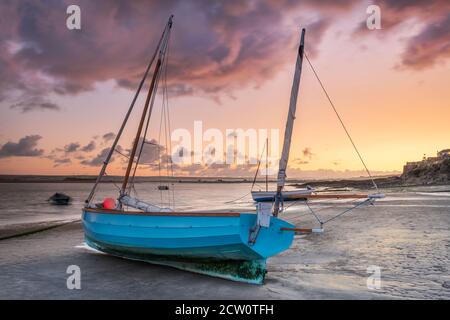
{"x": 392, "y": 181}
{"x": 109, "y": 179}
{"x": 140, "y": 179}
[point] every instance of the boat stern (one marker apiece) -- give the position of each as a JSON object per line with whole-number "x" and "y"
{"x": 268, "y": 241}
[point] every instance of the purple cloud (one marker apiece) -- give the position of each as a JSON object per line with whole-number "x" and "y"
{"x": 429, "y": 47}
{"x": 216, "y": 47}
{"x": 432, "y": 44}
{"x": 71, "y": 147}
{"x": 59, "y": 162}
{"x": 109, "y": 136}
{"x": 89, "y": 147}
{"x": 26, "y": 147}
{"x": 97, "y": 160}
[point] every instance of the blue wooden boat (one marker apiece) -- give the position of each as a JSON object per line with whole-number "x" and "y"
{"x": 215, "y": 243}
{"x": 231, "y": 245}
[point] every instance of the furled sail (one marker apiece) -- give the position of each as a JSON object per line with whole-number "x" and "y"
{"x": 289, "y": 125}
{"x": 141, "y": 205}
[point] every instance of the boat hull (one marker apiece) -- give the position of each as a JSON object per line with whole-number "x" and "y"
{"x": 267, "y": 196}
{"x": 208, "y": 243}
{"x": 60, "y": 199}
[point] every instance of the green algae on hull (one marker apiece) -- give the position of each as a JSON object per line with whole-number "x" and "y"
{"x": 247, "y": 271}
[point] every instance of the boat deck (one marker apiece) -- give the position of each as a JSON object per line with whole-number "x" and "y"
{"x": 208, "y": 213}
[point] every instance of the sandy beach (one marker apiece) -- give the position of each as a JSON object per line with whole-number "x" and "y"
{"x": 34, "y": 267}
{"x": 406, "y": 235}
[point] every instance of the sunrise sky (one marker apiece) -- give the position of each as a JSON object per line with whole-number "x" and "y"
{"x": 231, "y": 63}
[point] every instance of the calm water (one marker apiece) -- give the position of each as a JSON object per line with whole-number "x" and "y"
{"x": 23, "y": 202}
{"x": 407, "y": 234}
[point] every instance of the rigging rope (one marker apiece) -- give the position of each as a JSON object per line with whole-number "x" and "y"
{"x": 340, "y": 120}
{"x": 162, "y": 121}
{"x": 259, "y": 163}
{"x": 254, "y": 179}
{"x": 314, "y": 214}
{"x": 120, "y": 153}
{"x": 345, "y": 211}
{"x": 317, "y": 217}
{"x": 169, "y": 159}
{"x": 159, "y": 157}
{"x": 106, "y": 174}
{"x": 127, "y": 115}
{"x": 165, "y": 121}
{"x": 131, "y": 187}
{"x": 235, "y": 200}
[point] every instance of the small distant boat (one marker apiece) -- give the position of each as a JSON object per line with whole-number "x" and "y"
{"x": 291, "y": 195}
{"x": 162, "y": 187}
{"x": 60, "y": 199}
{"x": 269, "y": 196}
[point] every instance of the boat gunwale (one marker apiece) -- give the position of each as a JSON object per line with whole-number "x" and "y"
{"x": 175, "y": 214}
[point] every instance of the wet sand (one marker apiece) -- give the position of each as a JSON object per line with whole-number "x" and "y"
{"x": 34, "y": 267}
{"x": 406, "y": 235}
{"x": 22, "y": 229}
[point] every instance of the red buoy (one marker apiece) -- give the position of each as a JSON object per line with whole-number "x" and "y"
{"x": 109, "y": 203}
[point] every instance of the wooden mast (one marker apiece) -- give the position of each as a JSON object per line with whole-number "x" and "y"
{"x": 289, "y": 126}
{"x": 122, "y": 127}
{"x": 144, "y": 112}
{"x": 267, "y": 164}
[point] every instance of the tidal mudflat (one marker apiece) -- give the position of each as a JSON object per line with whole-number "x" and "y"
{"x": 406, "y": 235}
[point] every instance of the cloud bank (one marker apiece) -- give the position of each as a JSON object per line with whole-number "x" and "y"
{"x": 216, "y": 46}
{"x": 25, "y": 147}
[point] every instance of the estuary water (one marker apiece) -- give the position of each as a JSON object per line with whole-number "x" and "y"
{"x": 405, "y": 236}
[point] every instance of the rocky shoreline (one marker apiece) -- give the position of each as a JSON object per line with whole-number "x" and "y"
{"x": 428, "y": 172}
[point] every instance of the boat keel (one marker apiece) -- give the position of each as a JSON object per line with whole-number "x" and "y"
{"x": 248, "y": 271}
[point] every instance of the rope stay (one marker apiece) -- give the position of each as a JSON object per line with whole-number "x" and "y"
{"x": 163, "y": 49}
{"x": 122, "y": 127}
{"x": 341, "y": 121}
{"x": 165, "y": 121}
{"x": 314, "y": 214}
{"x": 240, "y": 198}
{"x": 265, "y": 148}
{"x": 323, "y": 222}
{"x": 259, "y": 164}
{"x": 143, "y": 142}
{"x": 168, "y": 124}
{"x": 121, "y": 153}
{"x": 164, "y": 126}
{"x": 369, "y": 200}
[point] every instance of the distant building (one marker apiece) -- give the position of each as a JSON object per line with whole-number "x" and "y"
{"x": 443, "y": 154}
